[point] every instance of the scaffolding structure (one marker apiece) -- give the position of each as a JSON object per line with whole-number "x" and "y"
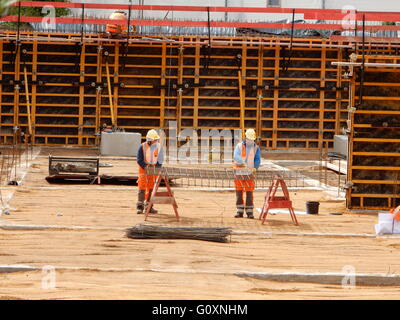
{"x": 59, "y": 88}
{"x": 149, "y": 84}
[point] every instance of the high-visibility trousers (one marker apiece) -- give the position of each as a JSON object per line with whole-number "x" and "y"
{"x": 246, "y": 184}
{"x": 146, "y": 181}
{"x": 113, "y": 28}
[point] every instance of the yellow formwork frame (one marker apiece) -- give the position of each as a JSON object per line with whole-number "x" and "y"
{"x": 81, "y": 93}
{"x": 259, "y": 91}
{"x": 116, "y": 80}
{"x": 196, "y": 89}
{"x": 99, "y": 76}
{"x": 322, "y": 100}
{"x": 34, "y": 88}
{"x": 17, "y": 89}
{"x": 163, "y": 76}
{"x": 275, "y": 98}
{"x": 4, "y": 138}
{"x": 253, "y": 71}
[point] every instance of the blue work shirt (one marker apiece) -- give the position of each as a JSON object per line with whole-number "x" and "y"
{"x": 237, "y": 155}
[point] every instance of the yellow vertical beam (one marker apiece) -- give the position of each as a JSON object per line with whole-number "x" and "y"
{"x": 28, "y": 104}
{"x": 350, "y": 121}
{"x": 276, "y": 98}
{"x": 99, "y": 79}
{"x": 196, "y": 89}
{"x": 163, "y": 82}
{"x": 321, "y": 139}
{"x": 242, "y": 82}
{"x": 116, "y": 80}
{"x": 110, "y": 95}
{"x": 34, "y": 88}
{"x": 338, "y": 93}
{"x": 16, "y": 93}
{"x": 180, "y": 91}
{"x": 1, "y": 88}
{"x": 259, "y": 90}
{"x": 81, "y": 94}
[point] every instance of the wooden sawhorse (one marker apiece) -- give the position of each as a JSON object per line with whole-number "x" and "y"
{"x": 162, "y": 197}
{"x": 274, "y": 202}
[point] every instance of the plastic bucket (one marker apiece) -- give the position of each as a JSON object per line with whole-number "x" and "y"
{"x": 312, "y": 207}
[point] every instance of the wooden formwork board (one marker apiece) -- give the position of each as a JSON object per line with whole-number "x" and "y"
{"x": 374, "y": 157}
{"x": 68, "y": 108}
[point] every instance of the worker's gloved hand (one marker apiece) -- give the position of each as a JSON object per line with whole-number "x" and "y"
{"x": 254, "y": 170}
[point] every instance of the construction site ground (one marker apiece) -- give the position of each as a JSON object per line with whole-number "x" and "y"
{"x": 80, "y": 231}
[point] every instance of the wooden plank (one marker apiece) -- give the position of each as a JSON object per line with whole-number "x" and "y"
{"x": 376, "y": 140}
{"x": 386, "y": 168}
{"x": 375, "y": 195}
{"x": 376, "y": 181}
{"x": 377, "y": 154}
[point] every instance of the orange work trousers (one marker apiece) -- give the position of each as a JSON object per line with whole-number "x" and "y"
{"x": 244, "y": 185}
{"x": 146, "y": 181}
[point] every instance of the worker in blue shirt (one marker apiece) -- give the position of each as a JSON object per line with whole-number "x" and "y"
{"x": 246, "y": 159}
{"x": 150, "y": 153}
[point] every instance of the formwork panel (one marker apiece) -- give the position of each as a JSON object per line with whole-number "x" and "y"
{"x": 374, "y": 159}
{"x": 291, "y": 102}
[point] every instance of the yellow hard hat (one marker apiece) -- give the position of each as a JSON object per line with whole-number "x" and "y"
{"x": 118, "y": 15}
{"x": 152, "y": 135}
{"x": 251, "y": 134}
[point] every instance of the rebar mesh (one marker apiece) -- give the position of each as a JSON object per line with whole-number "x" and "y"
{"x": 225, "y": 177}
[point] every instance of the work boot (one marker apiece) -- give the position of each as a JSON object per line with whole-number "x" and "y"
{"x": 140, "y": 203}
{"x": 152, "y": 210}
{"x": 139, "y": 207}
{"x": 249, "y": 212}
{"x": 239, "y": 204}
{"x": 249, "y": 204}
{"x": 240, "y": 211}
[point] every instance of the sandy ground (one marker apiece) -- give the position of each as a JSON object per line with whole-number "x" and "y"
{"x": 100, "y": 262}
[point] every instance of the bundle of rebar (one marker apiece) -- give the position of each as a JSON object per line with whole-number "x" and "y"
{"x": 143, "y": 231}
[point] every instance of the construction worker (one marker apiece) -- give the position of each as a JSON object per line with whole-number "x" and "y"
{"x": 246, "y": 161}
{"x": 120, "y": 25}
{"x": 150, "y": 153}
